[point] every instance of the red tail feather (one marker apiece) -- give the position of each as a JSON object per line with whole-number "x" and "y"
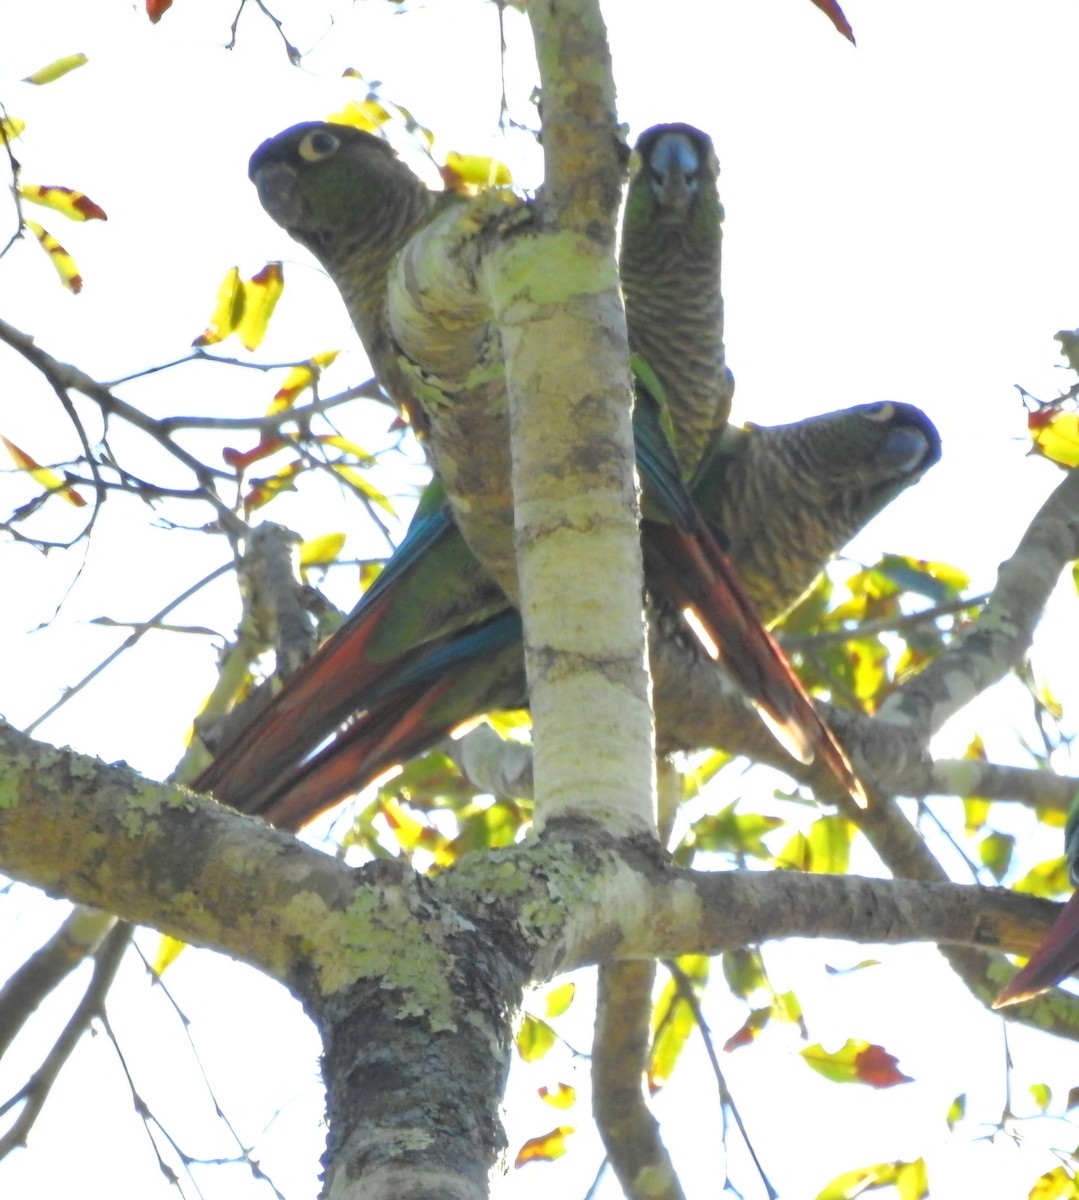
{"x": 702, "y": 579}
{"x": 1056, "y": 958}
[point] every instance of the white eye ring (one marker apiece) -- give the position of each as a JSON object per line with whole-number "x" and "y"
{"x": 319, "y": 144}
{"x": 881, "y": 412}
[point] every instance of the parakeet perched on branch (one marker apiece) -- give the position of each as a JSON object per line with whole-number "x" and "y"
{"x": 407, "y": 690}
{"x": 302, "y": 177}
{"x": 669, "y": 263}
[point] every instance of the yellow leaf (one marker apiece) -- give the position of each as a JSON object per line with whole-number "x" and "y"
{"x": 829, "y": 842}
{"x": 300, "y": 378}
{"x": 10, "y": 128}
{"x": 472, "y": 173}
{"x": 261, "y": 294}
{"x": 342, "y": 443}
{"x": 57, "y": 69}
{"x": 414, "y": 127}
{"x": 364, "y": 488}
{"x": 1048, "y": 878}
{"x": 412, "y": 834}
{"x": 795, "y": 855}
{"x": 560, "y": 998}
{"x": 168, "y": 952}
{"x": 545, "y": 1148}
{"x": 1056, "y": 435}
{"x": 510, "y": 721}
{"x": 317, "y": 552}
{"x": 1042, "y": 1095}
{"x": 1056, "y": 1184}
{"x": 368, "y": 115}
{"x": 856, "y": 1183}
{"x": 263, "y": 490}
{"x": 912, "y": 1180}
{"x": 229, "y": 310}
{"x": 76, "y": 206}
{"x": 563, "y": 1096}
{"x": 61, "y": 260}
{"x": 49, "y": 480}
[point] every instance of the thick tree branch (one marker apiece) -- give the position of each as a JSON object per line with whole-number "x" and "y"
{"x": 162, "y": 856}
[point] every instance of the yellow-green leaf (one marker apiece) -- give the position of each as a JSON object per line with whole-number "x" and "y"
{"x": 57, "y": 69}
{"x": 795, "y": 855}
{"x": 829, "y": 843}
{"x": 995, "y": 851}
{"x": 957, "y": 1110}
{"x": 534, "y": 1038}
{"x": 76, "y": 206}
{"x": 744, "y": 971}
{"x": 560, "y": 998}
{"x": 673, "y": 1020}
{"x": 856, "y": 1061}
{"x": 61, "y": 260}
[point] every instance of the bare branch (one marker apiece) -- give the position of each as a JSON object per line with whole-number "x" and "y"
{"x": 997, "y": 641}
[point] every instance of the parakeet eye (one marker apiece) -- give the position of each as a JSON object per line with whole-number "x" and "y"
{"x": 318, "y": 145}
{"x": 880, "y": 412}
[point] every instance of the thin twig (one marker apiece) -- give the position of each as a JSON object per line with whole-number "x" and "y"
{"x": 138, "y": 631}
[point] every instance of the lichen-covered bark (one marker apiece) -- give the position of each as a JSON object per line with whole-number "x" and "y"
{"x": 414, "y": 982}
{"x": 557, "y": 301}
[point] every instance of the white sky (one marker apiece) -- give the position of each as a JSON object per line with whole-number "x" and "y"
{"x": 900, "y": 225}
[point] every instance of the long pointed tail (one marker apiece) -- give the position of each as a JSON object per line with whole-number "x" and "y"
{"x": 700, "y": 578}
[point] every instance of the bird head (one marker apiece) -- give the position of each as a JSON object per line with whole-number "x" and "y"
{"x": 676, "y": 162}
{"x": 317, "y": 178}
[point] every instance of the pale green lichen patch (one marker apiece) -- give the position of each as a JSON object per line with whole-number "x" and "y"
{"x": 378, "y": 937}
{"x": 960, "y": 777}
{"x": 570, "y": 885}
{"x": 143, "y": 803}
{"x": 83, "y": 768}
{"x": 554, "y": 269}
{"x": 9, "y": 793}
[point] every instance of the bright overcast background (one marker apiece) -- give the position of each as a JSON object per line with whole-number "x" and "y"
{"x": 901, "y": 224}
